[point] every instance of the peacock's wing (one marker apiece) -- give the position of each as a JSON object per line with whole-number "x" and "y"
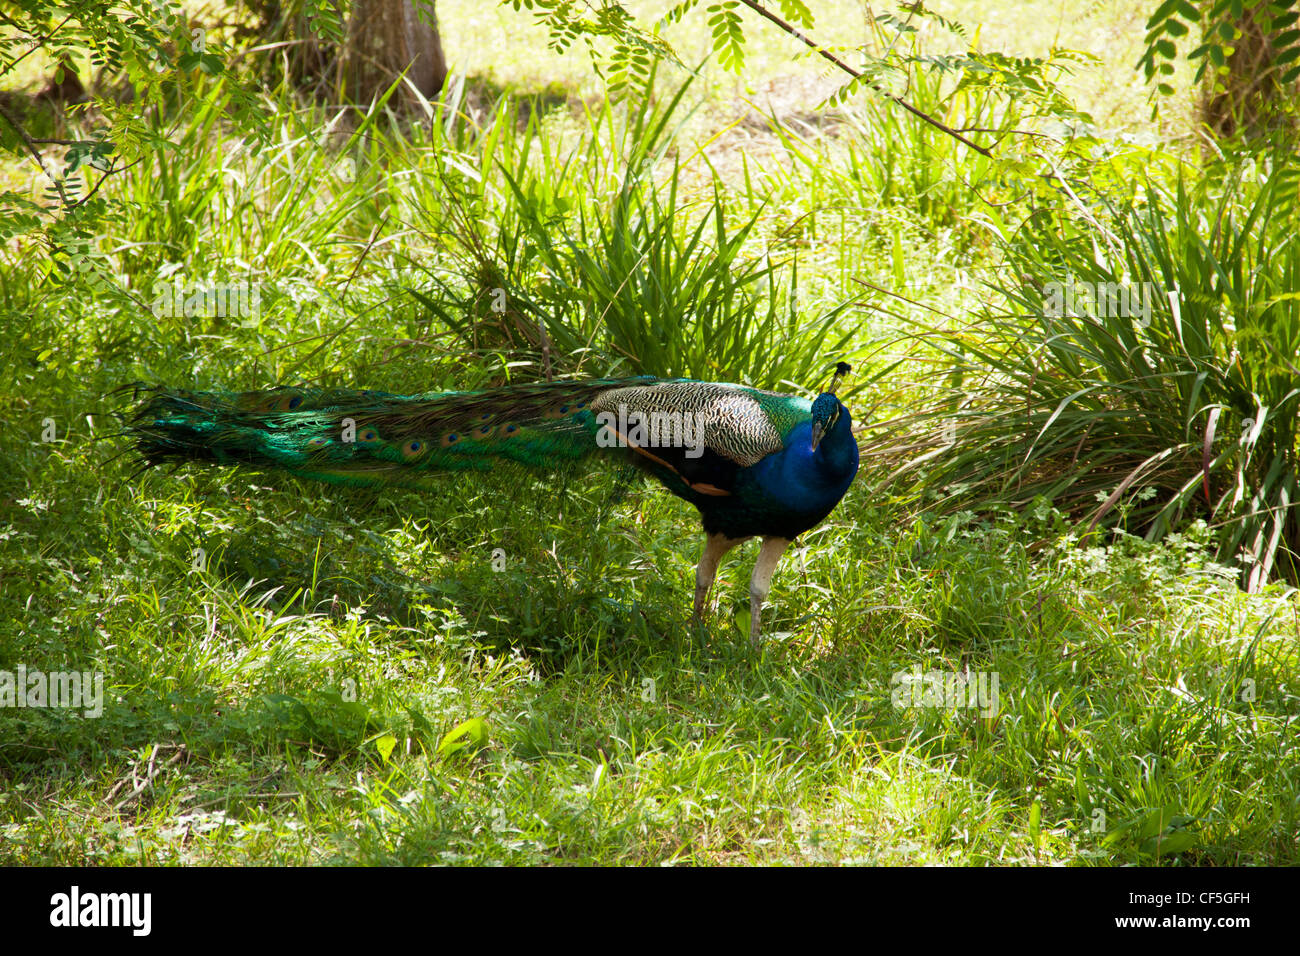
{"x": 703, "y": 433}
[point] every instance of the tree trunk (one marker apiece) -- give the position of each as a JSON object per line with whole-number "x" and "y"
{"x": 1248, "y": 106}
{"x": 385, "y": 37}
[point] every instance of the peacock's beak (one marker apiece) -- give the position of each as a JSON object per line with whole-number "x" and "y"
{"x": 818, "y": 433}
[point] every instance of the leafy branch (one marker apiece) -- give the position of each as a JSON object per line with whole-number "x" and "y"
{"x": 858, "y": 75}
{"x": 1247, "y": 59}
{"x": 634, "y": 48}
{"x": 1218, "y": 23}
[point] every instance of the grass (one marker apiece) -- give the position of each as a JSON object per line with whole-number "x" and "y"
{"x": 1178, "y": 406}
{"x": 287, "y": 666}
{"x": 614, "y": 734}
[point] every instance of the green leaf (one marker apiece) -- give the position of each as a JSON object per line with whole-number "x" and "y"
{"x": 1155, "y": 821}
{"x": 1163, "y": 12}
{"x": 728, "y": 37}
{"x": 797, "y": 12}
{"x": 470, "y": 736}
{"x": 1174, "y": 841}
{"x": 1286, "y": 42}
{"x": 899, "y": 261}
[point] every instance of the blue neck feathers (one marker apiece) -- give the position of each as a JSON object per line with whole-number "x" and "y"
{"x": 811, "y": 482}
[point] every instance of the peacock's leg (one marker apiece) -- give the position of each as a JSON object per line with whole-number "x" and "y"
{"x": 715, "y": 546}
{"x": 768, "y": 557}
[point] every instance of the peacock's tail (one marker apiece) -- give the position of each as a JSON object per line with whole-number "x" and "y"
{"x": 364, "y": 437}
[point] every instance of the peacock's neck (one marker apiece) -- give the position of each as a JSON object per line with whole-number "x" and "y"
{"x": 836, "y": 458}
{"x": 807, "y": 482}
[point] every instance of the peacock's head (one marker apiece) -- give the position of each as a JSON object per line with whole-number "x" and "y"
{"x": 826, "y": 408}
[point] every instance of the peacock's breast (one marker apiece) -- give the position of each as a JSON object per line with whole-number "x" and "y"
{"x": 790, "y": 491}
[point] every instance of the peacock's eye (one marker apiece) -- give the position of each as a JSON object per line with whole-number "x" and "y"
{"x": 295, "y": 402}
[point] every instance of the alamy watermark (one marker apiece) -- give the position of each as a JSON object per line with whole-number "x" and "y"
{"x": 225, "y": 300}
{"x": 946, "y": 690}
{"x": 652, "y": 430}
{"x": 72, "y": 690}
{"x": 1102, "y": 300}
{"x": 130, "y": 910}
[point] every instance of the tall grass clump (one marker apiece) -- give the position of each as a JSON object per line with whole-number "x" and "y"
{"x": 1141, "y": 370}
{"x": 556, "y": 249}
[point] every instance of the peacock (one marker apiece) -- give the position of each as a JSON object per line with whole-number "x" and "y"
{"x": 755, "y": 463}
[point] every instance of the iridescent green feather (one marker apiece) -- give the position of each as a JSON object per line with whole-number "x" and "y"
{"x": 365, "y": 438}
{"x": 783, "y": 411}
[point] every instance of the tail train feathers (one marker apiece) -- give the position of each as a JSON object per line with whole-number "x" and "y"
{"x": 365, "y": 437}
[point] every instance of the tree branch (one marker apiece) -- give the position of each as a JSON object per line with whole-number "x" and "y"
{"x": 107, "y": 172}
{"x": 36, "y": 153}
{"x": 857, "y": 75}
{"x": 37, "y": 42}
